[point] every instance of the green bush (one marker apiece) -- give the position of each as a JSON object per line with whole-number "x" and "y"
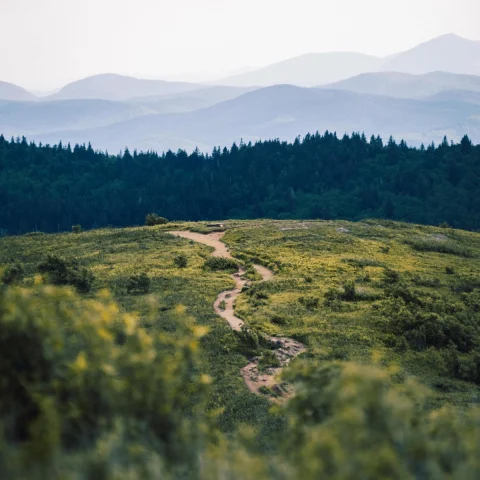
{"x": 363, "y": 262}
{"x": 180, "y": 261}
{"x": 251, "y": 342}
{"x": 63, "y": 272}
{"x": 138, "y": 283}
{"x": 221, "y": 263}
{"x": 13, "y": 273}
{"x": 349, "y": 422}
{"x": 390, "y": 276}
{"x": 76, "y": 228}
{"x": 153, "y": 219}
{"x": 309, "y": 302}
{"x": 440, "y": 246}
{"x": 268, "y": 360}
{"x": 349, "y": 291}
{"x": 78, "y": 383}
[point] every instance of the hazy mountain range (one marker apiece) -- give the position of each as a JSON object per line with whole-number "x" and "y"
{"x": 399, "y": 96}
{"x": 285, "y": 111}
{"x": 449, "y": 53}
{"x": 9, "y": 91}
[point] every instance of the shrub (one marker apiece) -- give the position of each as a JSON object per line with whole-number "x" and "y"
{"x": 251, "y": 341}
{"x": 363, "y": 262}
{"x": 76, "y": 228}
{"x": 257, "y": 292}
{"x": 309, "y": 302}
{"x": 465, "y": 285}
{"x": 221, "y": 263}
{"x": 426, "y": 282}
{"x": 63, "y": 272}
{"x": 279, "y": 320}
{"x": 13, "y": 274}
{"x": 78, "y": 384}
{"x": 349, "y": 291}
{"x": 153, "y": 219}
{"x": 450, "y": 270}
{"x": 439, "y": 246}
{"x": 138, "y": 284}
{"x": 180, "y": 261}
{"x": 390, "y": 276}
{"x": 268, "y": 360}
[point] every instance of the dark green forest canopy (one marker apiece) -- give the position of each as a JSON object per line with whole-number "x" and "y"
{"x": 51, "y": 188}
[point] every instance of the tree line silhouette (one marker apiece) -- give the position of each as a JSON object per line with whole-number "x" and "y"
{"x": 321, "y": 176}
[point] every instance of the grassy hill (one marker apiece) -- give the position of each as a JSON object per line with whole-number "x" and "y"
{"x": 401, "y": 298}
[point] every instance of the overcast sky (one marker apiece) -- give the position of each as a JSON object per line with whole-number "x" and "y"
{"x": 47, "y": 43}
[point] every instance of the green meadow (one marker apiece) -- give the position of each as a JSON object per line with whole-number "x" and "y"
{"x": 377, "y": 303}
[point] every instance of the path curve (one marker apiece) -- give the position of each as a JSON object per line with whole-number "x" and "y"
{"x": 287, "y": 348}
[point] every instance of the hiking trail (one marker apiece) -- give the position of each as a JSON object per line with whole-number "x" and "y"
{"x": 287, "y": 348}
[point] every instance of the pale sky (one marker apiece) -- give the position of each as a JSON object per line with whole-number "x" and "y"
{"x": 47, "y": 43}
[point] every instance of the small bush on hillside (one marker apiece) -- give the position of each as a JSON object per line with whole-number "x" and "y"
{"x": 439, "y": 246}
{"x": 363, "y": 262}
{"x": 426, "y": 282}
{"x": 63, "y": 272}
{"x": 76, "y": 228}
{"x": 450, "y": 270}
{"x": 251, "y": 342}
{"x": 180, "y": 261}
{"x": 138, "y": 284}
{"x": 465, "y": 285}
{"x": 13, "y": 274}
{"x": 309, "y": 302}
{"x": 257, "y": 292}
{"x": 268, "y": 360}
{"x": 153, "y": 219}
{"x": 349, "y": 292}
{"x": 220, "y": 263}
{"x": 390, "y": 276}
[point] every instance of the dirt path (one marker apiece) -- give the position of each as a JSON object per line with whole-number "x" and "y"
{"x": 286, "y": 350}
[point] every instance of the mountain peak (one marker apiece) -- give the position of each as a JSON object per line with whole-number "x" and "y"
{"x": 449, "y": 52}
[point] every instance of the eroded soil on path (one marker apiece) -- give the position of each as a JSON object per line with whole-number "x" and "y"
{"x": 286, "y": 348}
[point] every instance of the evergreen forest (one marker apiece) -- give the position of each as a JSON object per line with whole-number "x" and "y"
{"x": 322, "y": 176}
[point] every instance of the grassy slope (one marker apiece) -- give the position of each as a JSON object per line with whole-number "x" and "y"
{"x": 311, "y": 257}
{"x": 308, "y": 257}
{"x": 115, "y": 254}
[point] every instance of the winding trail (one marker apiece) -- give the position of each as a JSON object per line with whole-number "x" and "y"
{"x": 286, "y": 348}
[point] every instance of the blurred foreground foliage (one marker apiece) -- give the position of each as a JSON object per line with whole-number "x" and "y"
{"x": 85, "y": 393}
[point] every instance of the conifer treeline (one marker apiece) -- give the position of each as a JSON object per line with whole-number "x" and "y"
{"x": 51, "y": 188}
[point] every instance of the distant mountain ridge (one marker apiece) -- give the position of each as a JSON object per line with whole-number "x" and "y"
{"x": 406, "y": 85}
{"x": 24, "y": 118}
{"x": 308, "y": 70}
{"x": 284, "y": 112}
{"x": 449, "y": 53}
{"x": 119, "y": 87}
{"x": 9, "y": 91}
